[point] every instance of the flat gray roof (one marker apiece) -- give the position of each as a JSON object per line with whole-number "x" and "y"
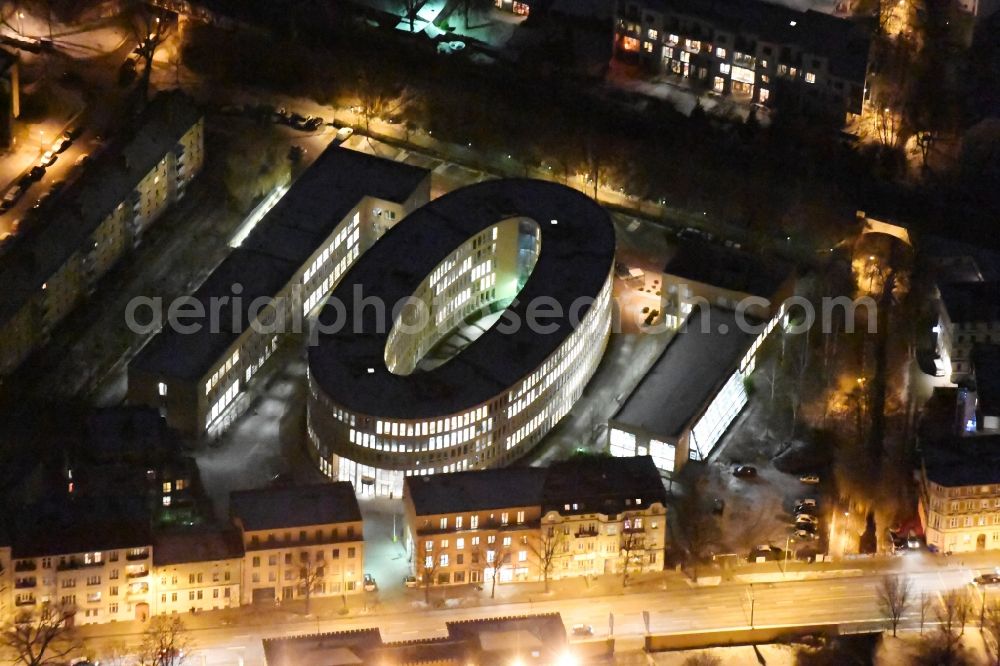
{"x": 688, "y": 374}
{"x": 575, "y": 260}
{"x": 728, "y": 268}
{"x": 277, "y": 247}
{"x": 295, "y": 506}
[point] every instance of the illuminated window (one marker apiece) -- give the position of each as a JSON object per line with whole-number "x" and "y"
{"x": 810, "y": 77}
{"x": 630, "y": 44}
{"x": 622, "y": 444}
{"x": 161, "y": 389}
{"x": 720, "y": 52}
{"x": 724, "y": 68}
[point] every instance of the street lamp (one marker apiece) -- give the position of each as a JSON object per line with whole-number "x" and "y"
{"x": 788, "y": 540}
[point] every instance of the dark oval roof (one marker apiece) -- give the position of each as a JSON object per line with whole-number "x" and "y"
{"x": 575, "y": 261}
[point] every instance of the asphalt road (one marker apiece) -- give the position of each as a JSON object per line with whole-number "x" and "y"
{"x": 677, "y": 608}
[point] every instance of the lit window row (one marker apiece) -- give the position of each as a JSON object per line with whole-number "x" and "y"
{"x": 221, "y": 372}
{"x": 223, "y": 402}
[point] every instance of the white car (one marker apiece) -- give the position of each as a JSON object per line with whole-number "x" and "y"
{"x": 48, "y": 157}
{"x": 806, "y": 518}
{"x": 450, "y": 47}
{"x": 344, "y": 133}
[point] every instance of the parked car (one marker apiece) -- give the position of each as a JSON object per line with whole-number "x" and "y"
{"x": 806, "y": 518}
{"x": 583, "y": 630}
{"x": 811, "y": 479}
{"x": 805, "y": 534}
{"x": 744, "y": 471}
{"x": 370, "y": 584}
{"x": 10, "y": 198}
{"x": 766, "y": 551}
{"x": 410, "y": 581}
{"x": 81, "y": 160}
{"x": 450, "y": 47}
{"x": 805, "y": 527}
{"x": 36, "y": 173}
{"x": 344, "y": 133}
{"x": 49, "y": 158}
{"x": 805, "y": 506}
{"x": 991, "y": 578}
{"x": 72, "y": 133}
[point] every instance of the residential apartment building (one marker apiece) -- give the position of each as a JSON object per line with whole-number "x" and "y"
{"x": 299, "y": 536}
{"x": 748, "y": 49}
{"x": 600, "y": 516}
{"x": 467, "y": 527}
{"x": 6, "y": 579}
{"x": 100, "y": 217}
{"x": 969, "y": 316}
{"x": 959, "y": 502}
{"x": 10, "y": 95}
{"x": 289, "y": 263}
{"x": 94, "y": 559}
{"x": 197, "y": 569}
{"x": 579, "y": 517}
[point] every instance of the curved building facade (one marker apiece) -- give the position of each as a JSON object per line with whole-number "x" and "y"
{"x": 463, "y": 336}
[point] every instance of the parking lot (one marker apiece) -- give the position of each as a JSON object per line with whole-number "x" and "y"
{"x": 760, "y": 509}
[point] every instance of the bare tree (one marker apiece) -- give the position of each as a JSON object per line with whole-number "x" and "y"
{"x": 926, "y": 601}
{"x": 149, "y": 28}
{"x": 696, "y": 525}
{"x": 410, "y": 7}
{"x": 116, "y": 654}
{"x": 428, "y": 570}
{"x": 991, "y": 631}
{"x": 894, "y": 598}
{"x": 40, "y": 638}
{"x": 309, "y": 577}
{"x": 549, "y": 546}
{"x": 164, "y": 642}
{"x": 496, "y": 558}
{"x": 944, "y": 646}
{"x": 633, "y": 544}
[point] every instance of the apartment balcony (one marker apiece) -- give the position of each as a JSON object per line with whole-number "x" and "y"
{"x": 134, "y": 556}
{"x": 135, "y": 589}
{"x": 139, "y": 573}
{"x": 633, "y": 530}
{"x": 587, "y": 532}
{"x": 22, "y": 583}
{"x": 24, "y": 601}
{"x": 74, "y": 563}
{"x": 25, "y": 565}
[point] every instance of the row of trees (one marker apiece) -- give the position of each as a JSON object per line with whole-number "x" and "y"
{"x": 952, "y": 610}
{"x": 45, "y": 637}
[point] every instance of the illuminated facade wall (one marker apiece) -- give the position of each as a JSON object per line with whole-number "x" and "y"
{"x": 376, "y": 454}
{"x": 961, "y": 518}
{"x": 747, "y": 66}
